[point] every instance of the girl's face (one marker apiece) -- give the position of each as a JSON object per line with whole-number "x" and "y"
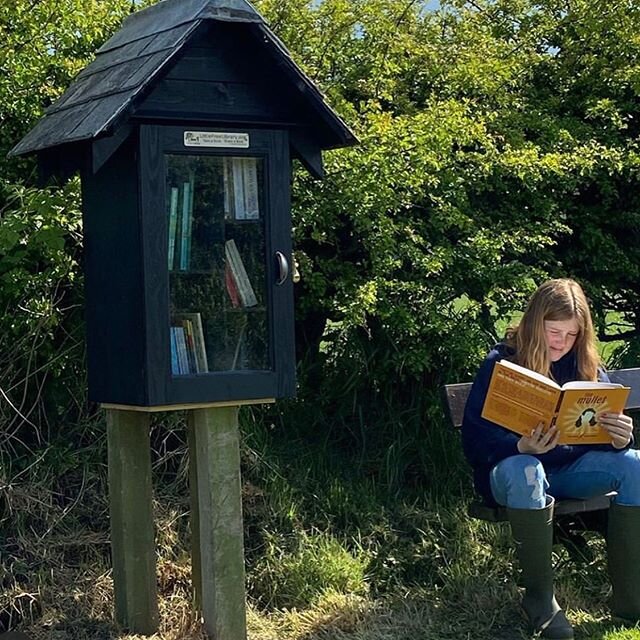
{"x": 560, "y": 336}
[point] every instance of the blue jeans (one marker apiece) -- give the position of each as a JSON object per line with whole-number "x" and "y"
{"x": 521, "y": 482}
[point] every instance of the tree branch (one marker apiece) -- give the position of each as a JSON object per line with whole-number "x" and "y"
{"x": 625, "y": 335}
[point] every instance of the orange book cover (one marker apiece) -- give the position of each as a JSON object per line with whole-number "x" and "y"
{"x": 519, "y": 399}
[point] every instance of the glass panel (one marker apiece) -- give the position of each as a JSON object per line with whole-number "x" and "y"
{"x": 216, "y": 251}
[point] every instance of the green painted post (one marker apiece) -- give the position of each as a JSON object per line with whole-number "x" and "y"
{"x": 132, "y": 532}
{"x": 218, "y": 548}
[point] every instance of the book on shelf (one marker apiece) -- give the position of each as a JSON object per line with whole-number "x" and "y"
{"x": 177, "y": 237}
{"x": 173, "y": 224}
{"x": 250, "y": 188}
{"x": 238, "y": 190}
{"x": 232, "y": 289}
{"x": 226, "y": 189}
{"x": 187, "y": 222}
{"x": 180, "y": 226}
{"x": 194, "y": 340}
{"x": 191, "y": 347}
{"x": 175, "y": 363}
{"x": 239, "y": 275}
{"x": 179, "y": 344}
{"x": 240, "y": 182}
{"x": 519, "y": 399}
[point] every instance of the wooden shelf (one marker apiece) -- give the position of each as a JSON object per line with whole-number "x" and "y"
{"x": 255, "y": 309}
{"x": 196, "y": 272}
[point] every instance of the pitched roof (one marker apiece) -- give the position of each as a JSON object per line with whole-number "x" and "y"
{"x": 104, "y": 93}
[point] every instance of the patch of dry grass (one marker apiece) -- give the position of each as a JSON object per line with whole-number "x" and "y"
{"x": 475, "y": 598}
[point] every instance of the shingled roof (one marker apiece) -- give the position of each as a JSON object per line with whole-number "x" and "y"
{"x": 107, "y": 90}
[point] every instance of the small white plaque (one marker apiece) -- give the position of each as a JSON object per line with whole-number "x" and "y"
{"x": 216, "y": 139}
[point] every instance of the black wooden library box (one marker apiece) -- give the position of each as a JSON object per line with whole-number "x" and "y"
{"x": 183, "y": 129}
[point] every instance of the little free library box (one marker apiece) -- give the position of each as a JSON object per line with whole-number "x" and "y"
{"x": 183, "y": 129}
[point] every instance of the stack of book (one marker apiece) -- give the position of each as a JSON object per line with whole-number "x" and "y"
{"x": 188, "y": 350}
{"x": 241, "y": 188}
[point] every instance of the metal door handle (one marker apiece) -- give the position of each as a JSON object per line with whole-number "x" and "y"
{"x": 283, "y": 267}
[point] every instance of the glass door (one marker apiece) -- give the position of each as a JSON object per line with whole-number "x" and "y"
{"x": 216, "y": 247}
{"x": 216, "y": 238}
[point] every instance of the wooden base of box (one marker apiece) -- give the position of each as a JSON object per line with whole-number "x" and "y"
{"x": 185, "y": 407}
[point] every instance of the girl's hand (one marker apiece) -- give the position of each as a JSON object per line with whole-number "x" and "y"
{"x": 539, "y": 441}
{"x": 619, "y": 426}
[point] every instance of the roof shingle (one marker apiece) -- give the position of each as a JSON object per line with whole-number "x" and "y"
{"x": 134, "y": 57}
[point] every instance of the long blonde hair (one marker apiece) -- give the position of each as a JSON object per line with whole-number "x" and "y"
{"x": 561, "y": 299}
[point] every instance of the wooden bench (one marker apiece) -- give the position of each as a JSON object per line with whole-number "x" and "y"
{"x": 571, "y": 516}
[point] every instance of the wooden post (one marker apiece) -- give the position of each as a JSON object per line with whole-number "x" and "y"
{"x": 196, "y": 564}
{"x": 217, "y": 532}
{"x": 132, "y": 532}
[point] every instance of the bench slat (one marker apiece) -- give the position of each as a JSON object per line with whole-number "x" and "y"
{"x": 630, "y": 378}
{"x": 481, "y": 511}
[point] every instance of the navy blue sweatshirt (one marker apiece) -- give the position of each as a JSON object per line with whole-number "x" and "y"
{"x": 485, "y": 443}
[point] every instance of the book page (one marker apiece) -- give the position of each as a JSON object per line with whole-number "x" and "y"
{"x": 519, "y": 401}
{"x": 529, "y": 373}
{"x": 577, "y": 418}
{"x": 586, "y": 384}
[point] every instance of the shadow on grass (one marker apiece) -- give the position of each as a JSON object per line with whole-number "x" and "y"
{"x": 76, "y": 629}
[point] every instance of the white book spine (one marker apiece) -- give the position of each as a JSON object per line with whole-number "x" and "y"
{"x": 201, "y": 350}
{"x": 238, "y": 188}
{"x": 251, "y": 203}
{"x": 239, "y": 273}
{"x": 227, "y": 189}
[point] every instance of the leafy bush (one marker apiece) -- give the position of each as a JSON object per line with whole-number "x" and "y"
{"x": 41, "y": 331}
{"x": 497, "y": 148}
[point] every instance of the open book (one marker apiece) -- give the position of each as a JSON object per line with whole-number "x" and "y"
{"x": 519, "y": 399}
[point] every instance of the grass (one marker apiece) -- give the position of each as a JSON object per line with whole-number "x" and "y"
{"x": 337, "y": 547}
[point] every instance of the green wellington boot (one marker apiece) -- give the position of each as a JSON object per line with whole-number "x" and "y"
{"x": 533, "y": 534}
{"x": 623, "y": 551}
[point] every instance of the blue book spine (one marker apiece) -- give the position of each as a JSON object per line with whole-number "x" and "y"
{"x": 186, "y": 217}
{"x": 175, "y": 366}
